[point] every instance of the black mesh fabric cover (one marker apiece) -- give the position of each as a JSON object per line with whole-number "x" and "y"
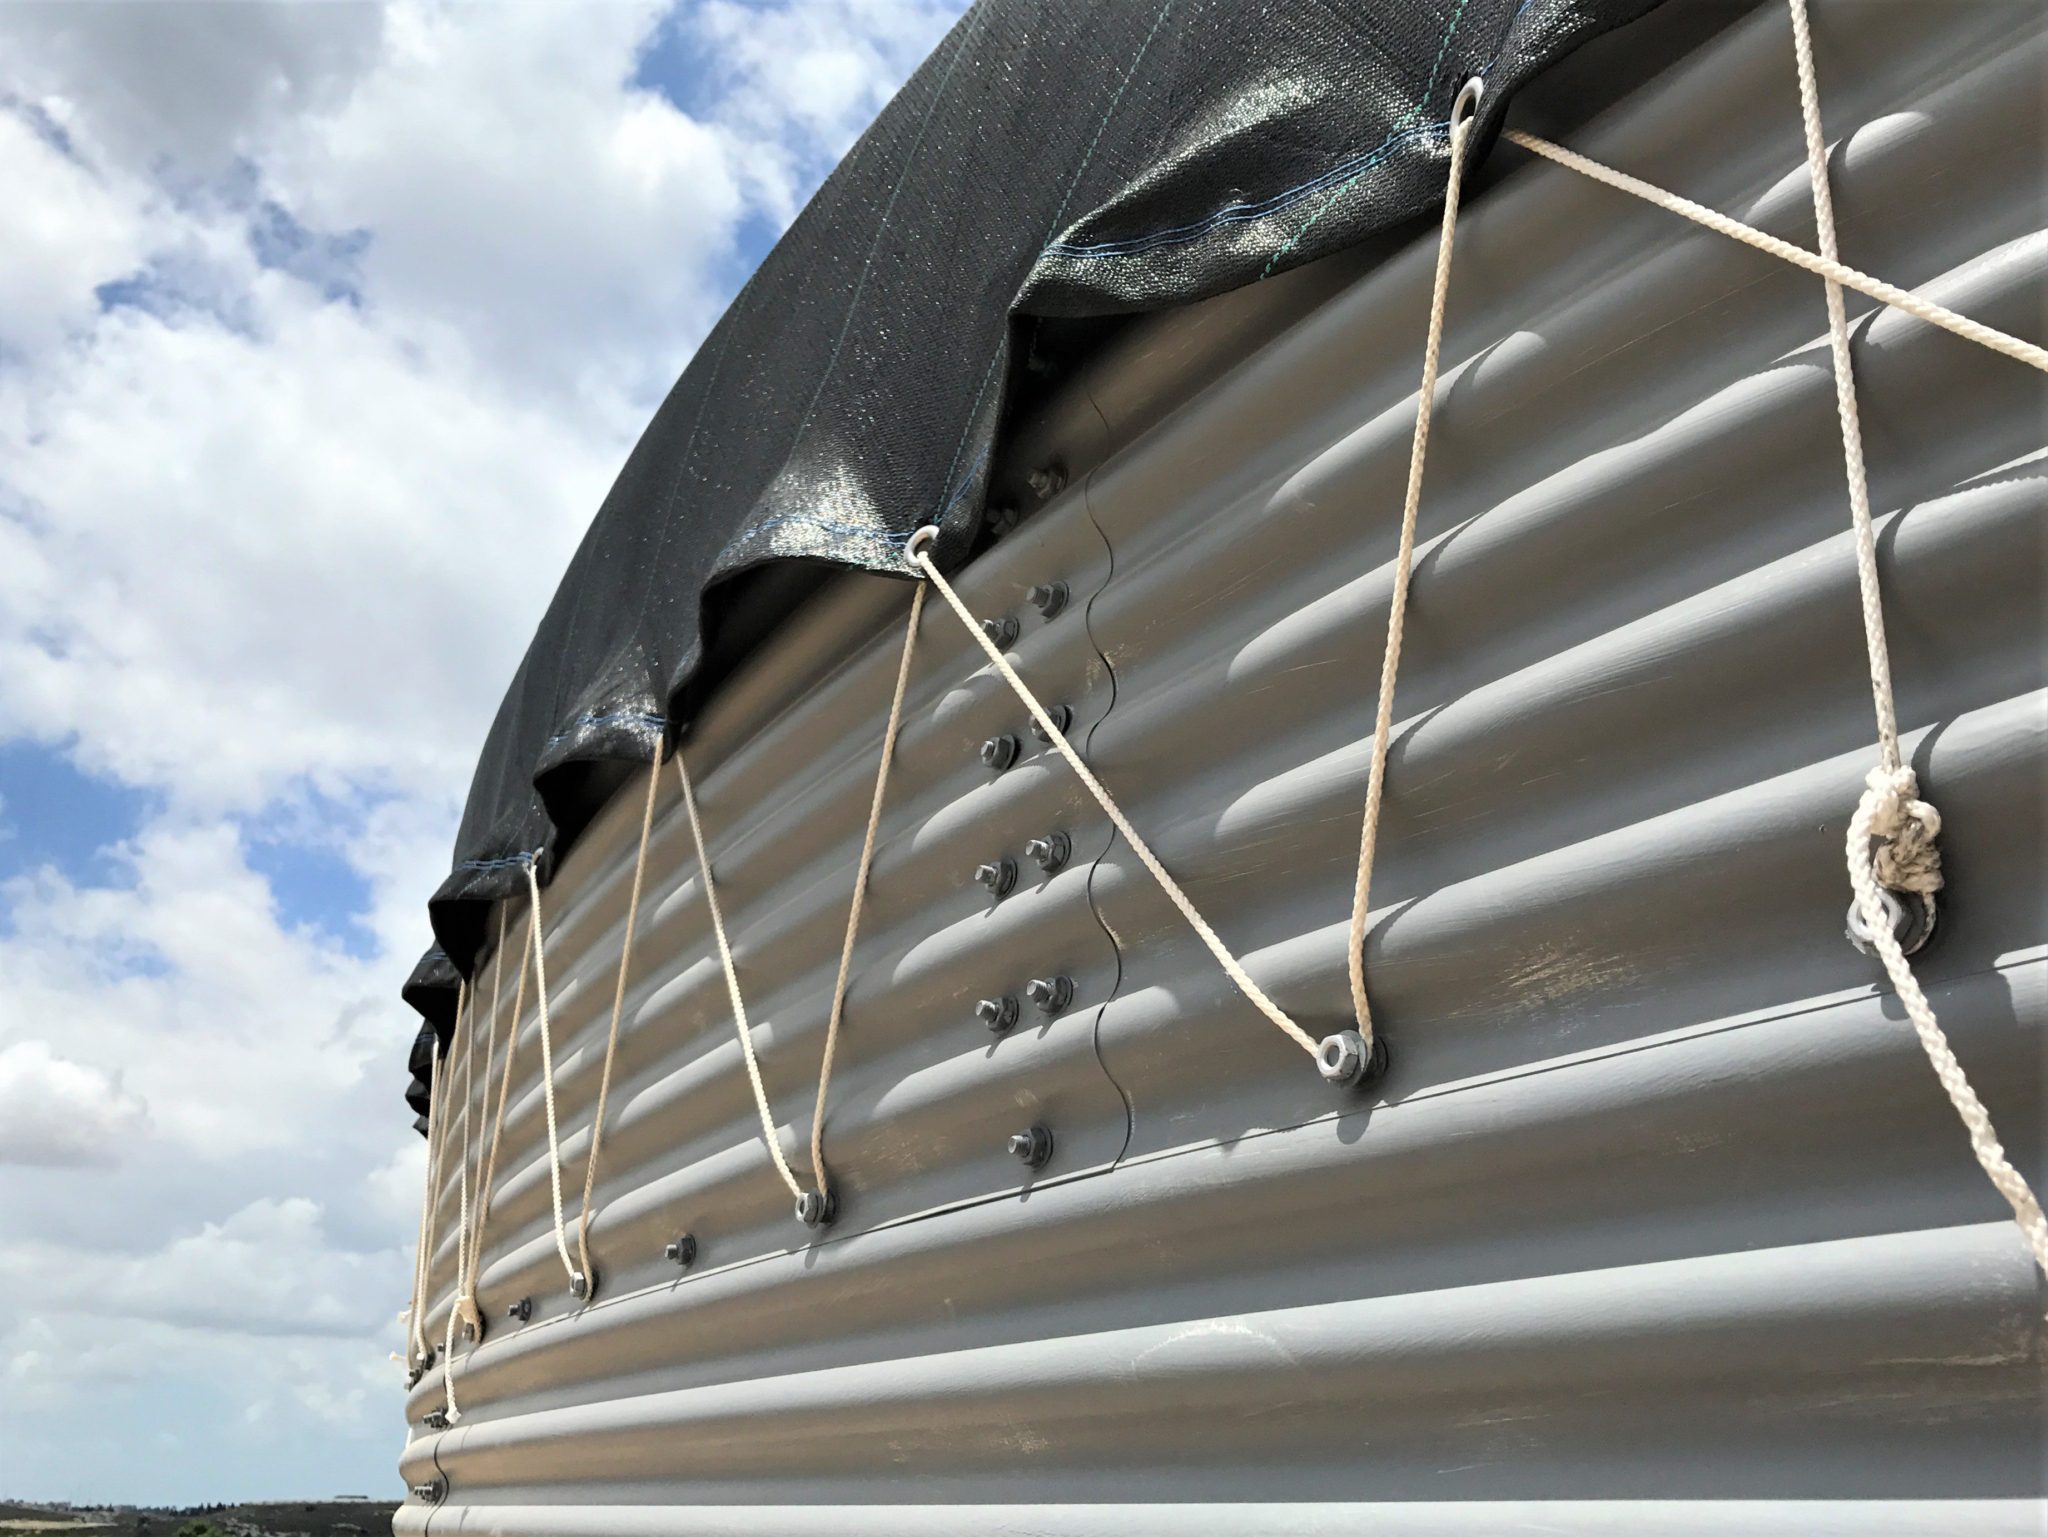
{"x": 1052, "y": 158}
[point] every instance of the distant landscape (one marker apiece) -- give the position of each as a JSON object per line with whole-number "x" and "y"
{"x": 347, "y": 1517}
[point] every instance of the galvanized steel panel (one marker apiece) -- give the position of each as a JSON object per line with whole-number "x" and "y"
{"x": 1660, "y": 1223}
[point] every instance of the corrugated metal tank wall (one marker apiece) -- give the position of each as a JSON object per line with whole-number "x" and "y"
{"x": 1660, "y": 1222}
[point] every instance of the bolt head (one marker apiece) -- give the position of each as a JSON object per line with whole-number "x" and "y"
{"x": 1050, "y": 995}
{"x": 1032, "y": 1147}
{"x": 999, "y": 752}
{"x": 1050, "y": 853}
{"x": 999, "y": 1014}
{"x": 998, "y": 876}
{"x": 1062, "y": 717}
{"x": 816, "y": 1210}
{"x": 1048, "y": 598}
{"x": 521, "y": 1310}
{"x": 1047, "y": 480}
{"x": 1911, "y": 915}
{"x": 682, "y": 1251}
{"x": 579, "y": 1285}
{"x": 1002, "y": 633}
{"x": 1345, "y": 1060}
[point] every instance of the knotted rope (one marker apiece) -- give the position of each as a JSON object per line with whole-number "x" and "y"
{"x": 1891, "y": 840}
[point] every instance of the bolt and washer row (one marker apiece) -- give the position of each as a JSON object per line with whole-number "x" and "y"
{"x": 1050, "y": 853}
{"x": 1049, "y": 995}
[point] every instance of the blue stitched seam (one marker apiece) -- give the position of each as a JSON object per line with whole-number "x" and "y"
{"x": 966, "y": 483}
{"x": 1240, "y": 213}
{"x": 515, "y": 861}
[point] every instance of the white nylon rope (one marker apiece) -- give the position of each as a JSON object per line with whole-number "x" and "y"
{"x": 483, "y": 1205}
{"x": 437, "y": 1143}
{"x": 611, "y": 1044}
{"x": 1898, "y": 298}
{"x": 914, "y": 553}
{"x": 490, "y": 1060}
{"x": 464, "y": 1041}
{"x": 1390, "y": 661}
{"x": 472, "y": 1235}
{"x": 732, "y": 986}
{"x": 419, "y": 1260}
{"x": 1891, "y": 839}
{"x": 860, "y": 890}
{"x": 577, "y": 1281}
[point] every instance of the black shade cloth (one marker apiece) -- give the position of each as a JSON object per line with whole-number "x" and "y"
{"x": 1050, "y": 159}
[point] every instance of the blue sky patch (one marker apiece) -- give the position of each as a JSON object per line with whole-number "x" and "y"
{"x": 53, "y": 813}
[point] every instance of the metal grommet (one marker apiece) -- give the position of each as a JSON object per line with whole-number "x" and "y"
{"x": 916, "y": 542}
{"x": 1346, "y": 1061}
{"x": 1468, "y": 98}
{"x": 1912, "y": 915}
{"x": 815, "y": 1210}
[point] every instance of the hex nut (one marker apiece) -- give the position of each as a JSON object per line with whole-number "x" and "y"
{"x": 1050, "y": 995}
{"x": 579, "y": 1285}
{"x": 1062, "y": 717}
{"x": 1912, "y": 916}
{"x": 1346, "y": 1061}
{"x": 1032, "y": 1147}
{"x": 1048, "y": 598}
{"x": 521, "y": 1310}
{"x": 1002, "y": 632}
{"x": 999, "y": 1014}
{"x": 816, "y": 1210}
{"x": 682, "y": 1251}
{"x": 999, "y": 752}
{"x": 1051, "y": 852}
{"x": 1047, "y": 481}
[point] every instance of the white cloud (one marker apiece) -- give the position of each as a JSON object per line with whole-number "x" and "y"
{"x": 322, "y": 331}
{"x": 60, "y": 1114}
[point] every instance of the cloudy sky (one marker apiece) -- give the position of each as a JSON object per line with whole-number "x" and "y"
{"x": 323, "y": 330}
